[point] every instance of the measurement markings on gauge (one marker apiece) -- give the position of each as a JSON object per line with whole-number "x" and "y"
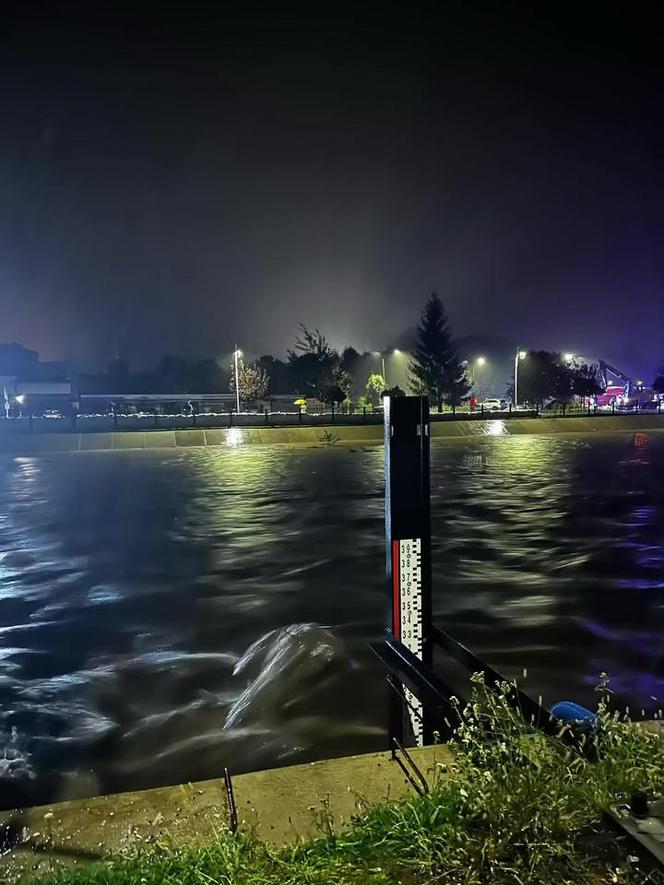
{"x": 407, "y": 609}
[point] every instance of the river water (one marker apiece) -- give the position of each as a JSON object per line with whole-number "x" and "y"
{"x": 166, "y": 613}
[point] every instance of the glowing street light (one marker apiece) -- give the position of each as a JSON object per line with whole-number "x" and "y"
{"x": 518, "y": 356}
{"x": 568, "y": 357}
{"x": 480, "y": 362}
{"x": 381, "y": 354}
{"x": 381, "y": 357}
{"x": 237, "y": 354}
{"x": 20, "y": 399}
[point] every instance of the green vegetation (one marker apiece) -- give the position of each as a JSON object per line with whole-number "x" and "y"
{"x": 516, "y": 807}
{"x": 545, "y": 375}
{"x": 254, "y": 381}
{"x": 317, "y": 368}
{"x": 435, "y": 368}
{"x": 328, "y": 438}
{"x": 374, "y": 387}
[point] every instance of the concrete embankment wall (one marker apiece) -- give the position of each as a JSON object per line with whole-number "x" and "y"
{"x": 279, "y": 805}
{"x": 372, "y": 434}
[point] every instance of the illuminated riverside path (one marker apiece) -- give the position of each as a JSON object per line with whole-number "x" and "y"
{"x": 133, "y": 582}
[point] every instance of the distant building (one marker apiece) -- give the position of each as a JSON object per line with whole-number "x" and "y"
{"x": 30, "y": 386}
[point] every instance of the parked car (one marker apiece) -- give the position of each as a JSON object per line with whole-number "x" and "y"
{"x": 52, "y": 413}
{"x": 492, "y": 405}
{"x": 636, "y": 404}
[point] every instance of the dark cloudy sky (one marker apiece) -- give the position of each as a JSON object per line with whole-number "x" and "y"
{"x": 176, "y": 177}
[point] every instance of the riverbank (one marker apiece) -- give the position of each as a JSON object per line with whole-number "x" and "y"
{"x": 334, "y": 434}
{"x": 279, "y": 806}
{"x": 504, "y": 804}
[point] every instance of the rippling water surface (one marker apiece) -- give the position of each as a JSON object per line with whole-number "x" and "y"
{"x": 163, "y": 614}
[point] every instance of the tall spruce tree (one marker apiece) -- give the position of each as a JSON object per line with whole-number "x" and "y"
{"x": 435, "y": 368}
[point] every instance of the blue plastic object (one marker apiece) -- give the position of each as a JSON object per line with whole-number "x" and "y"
{"x": 568, "y": 711}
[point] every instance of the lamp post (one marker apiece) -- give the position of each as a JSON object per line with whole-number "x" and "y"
{"x": 237, "y": 354}
{"x": 395, "y": 352}
{"x": 518, "y": 356}
{"x": 480, "y": 362}
{"x": 381, "y": 354}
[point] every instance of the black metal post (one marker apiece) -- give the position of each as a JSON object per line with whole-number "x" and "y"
{"x": 230, "y": 417}
{"x": 408, "y": 546}
{"x": 299, "y": 410}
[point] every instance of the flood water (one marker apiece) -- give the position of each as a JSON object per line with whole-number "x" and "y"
{"x": 134, "y": 585}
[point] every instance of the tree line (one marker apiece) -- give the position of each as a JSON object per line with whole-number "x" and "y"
{"x": 318, "y": 370}
{"x": 546, "y": 375}
{"x": 315, "y": 369}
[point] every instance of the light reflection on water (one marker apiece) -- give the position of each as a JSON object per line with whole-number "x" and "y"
{"x": 132, "y": 582}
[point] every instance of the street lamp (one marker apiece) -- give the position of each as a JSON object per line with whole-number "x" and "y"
{"x": 479, "y": 363}
{"x": 518, "y": 356}
{"x": 20, "y": 399}
{"x": 396, "y": 352}
{"x": 237, "y": 354}
{"x": 381, "y": 357}
{"x": 381, "y": 354}
{"x": 568, "y": 357}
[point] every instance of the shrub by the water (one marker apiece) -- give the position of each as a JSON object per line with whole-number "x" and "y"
{"x": 515, "y": 807}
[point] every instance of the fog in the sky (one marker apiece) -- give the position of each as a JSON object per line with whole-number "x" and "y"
{"x": 176, "y": 178}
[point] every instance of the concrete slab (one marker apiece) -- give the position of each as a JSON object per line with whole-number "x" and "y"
{"x": 29, "y": 443}
{"x": 279, "y": 804}
{"x": 159, "y": 439}
{"x": 129, "y": 439}
{"x": 186, "y": 438}
{"x": 95, "y": 442}
{"x": 372, "y": 434}
{"x": 215, "y": 437}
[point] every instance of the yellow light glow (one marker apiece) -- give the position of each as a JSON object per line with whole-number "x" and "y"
{"x": 568, "y": 357}
{"x": 481, "y": 360}
{"x": 234, "y": 437}
{"x": 522, "y": 354}
{"x": 397, "y": 351}
{"x": 496, "y": 427}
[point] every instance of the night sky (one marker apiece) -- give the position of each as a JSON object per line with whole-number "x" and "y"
{"x": 175, "y": 178}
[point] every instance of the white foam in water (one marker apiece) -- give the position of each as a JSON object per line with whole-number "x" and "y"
{"x": 286, "y": 663}
{"x": 14, "y": 759}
